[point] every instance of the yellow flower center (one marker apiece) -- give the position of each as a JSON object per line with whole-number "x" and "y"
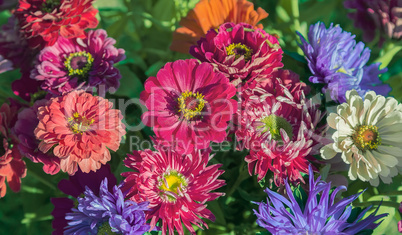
{"x": 191, "y": 104}
{"x": 274, "y": 124}
{"x": 366, "y": 137}
{"x": 238, "y": 50}
{"x": 79, "y": 124}
{"x": 79, "y": 63}
{"x": 171, "y": 183}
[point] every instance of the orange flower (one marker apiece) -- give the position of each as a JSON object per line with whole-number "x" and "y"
{"x": 210, "y": 14}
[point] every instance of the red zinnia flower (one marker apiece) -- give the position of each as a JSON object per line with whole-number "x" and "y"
{"x": 81, "y": 128}
{"x": 189, "y": 104}
{"x": 12, "y": 167}
{"x": 177, "y": 186}
{"x": 43, "y": 21}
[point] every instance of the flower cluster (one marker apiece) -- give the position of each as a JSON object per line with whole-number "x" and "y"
{"x": 291, "y": 104}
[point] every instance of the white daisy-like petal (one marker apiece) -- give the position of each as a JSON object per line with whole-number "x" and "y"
{"x": 368, "y": 133}
{"x": 328, "y": 152}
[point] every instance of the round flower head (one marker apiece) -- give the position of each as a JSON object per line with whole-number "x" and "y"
{"x": 107, "y": 213}
{"x": 368, "y": 134}
{"x": 75, "y": 187}
{"x": 206, "y": 16}
{"x": 377, "y": 15}
{"x": 189, "y": 104}
{"x": 80, "y": 129}
{"x": 12, "y": 167}
{"x": 79, "y": 64}
{"x": 239, "y": 51}
{"x": 28, "y": 144}
{"x": 44, "y": 21}
{"x": 338, "y": 62}
{"x": 319, "y": 214}
{"x": 279, "y": 127}
{"x": 177, "y": 186}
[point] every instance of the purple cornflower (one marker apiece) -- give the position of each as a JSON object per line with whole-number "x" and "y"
{"x": 319, "y": 215}
{"x": 338, "y": 62}
{"x": 107, "y": 213}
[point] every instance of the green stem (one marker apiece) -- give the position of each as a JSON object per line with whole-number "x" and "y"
{"x": 42, "y": 180}
{"x": 389, "y": 51}
{"x": 243, "y": 174}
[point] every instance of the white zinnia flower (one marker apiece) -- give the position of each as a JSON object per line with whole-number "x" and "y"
{"x": 369, "y": 136}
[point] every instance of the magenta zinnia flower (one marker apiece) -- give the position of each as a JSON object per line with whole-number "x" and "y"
{"x": 44, "y": 21}
{"x": 28, "y": 144}
{"x": 279, "y": 127}
{"x": 377, "y": 15}
{"x": 189, "y": 104}
{"x": 79, "y": 64}
{"x": 75, "y": 186}
{"x": 81, "y": 128}
{"x": 177, "y": 186}
{"x": 239, "y": 51}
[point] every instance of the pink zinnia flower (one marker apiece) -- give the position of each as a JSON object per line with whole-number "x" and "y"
{"x": 189, "y": 104}
{"x": 43, "y": 21}
{"x": 81, "y": 128}
{"x": 12, "y": 167}
{"x": 239, "y": 51}
{"x": 79, "y": 64}
{"x": 177, "y": 186}
{"x": 279, "y": 127}
{"x": 28, "y": 144}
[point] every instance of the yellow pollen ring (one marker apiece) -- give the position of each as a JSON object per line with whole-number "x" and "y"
{"x": 231, "y": 50}
{"x": 80, "y": 72}
{"x": 187, "y": 112}
{"x": 366, "y": 137}
{"x": 79, "y": 124}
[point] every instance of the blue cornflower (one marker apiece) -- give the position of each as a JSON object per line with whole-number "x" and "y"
{"x": 319, "y": 214}
{"x": 336, "y": 60}
{"x": 107, "y": 213}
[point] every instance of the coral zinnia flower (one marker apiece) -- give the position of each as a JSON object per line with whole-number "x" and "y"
{"x": 28, "y": 144}
{"x": 79, "y": 64}
{"x": 210, "y": 14}
{"x": 43, "y": 21}
{"x": 368, "y": 134}
{"x": 75, "y": 186}
{"x": 12, "y": 167}
{"x": 340, "y": 63}
{"x": 81, "y": 128}
{"x": 279, "y": 127}
{"x": 377, "y": 15}
{"x": 318, "y": 214}
{"x": 239, "y": 51}
{"x": 189, "y": 104}
{"x": 177, "y": 186}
